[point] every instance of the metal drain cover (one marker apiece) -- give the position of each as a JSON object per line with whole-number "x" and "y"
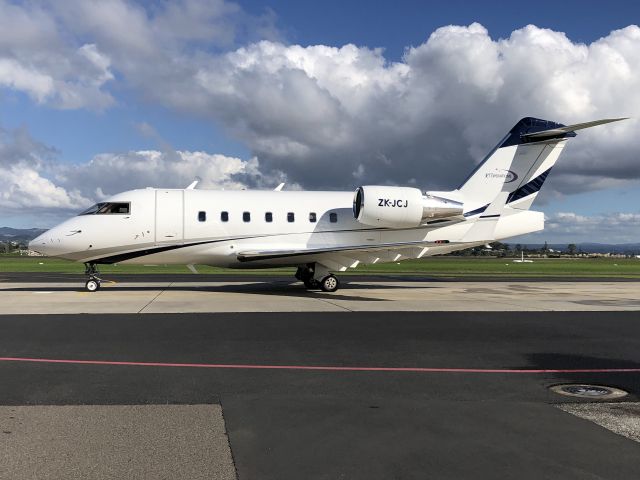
{"x": 593, "y": 392}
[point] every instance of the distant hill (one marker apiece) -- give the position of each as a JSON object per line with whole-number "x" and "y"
{"x": 603, "y": 248}
{"x": 19, "y": 235}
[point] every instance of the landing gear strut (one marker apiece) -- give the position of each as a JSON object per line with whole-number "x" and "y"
{"x": 93, "y": 284}
{"x": 316, "y": 276}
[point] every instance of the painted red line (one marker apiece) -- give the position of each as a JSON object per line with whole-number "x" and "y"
{"x": 320, "y": 367}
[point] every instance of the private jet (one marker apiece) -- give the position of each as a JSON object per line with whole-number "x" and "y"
{"x": 318, "y": 232}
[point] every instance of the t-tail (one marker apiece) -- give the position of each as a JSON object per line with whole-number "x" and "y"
{"x": 518, "y": 166}
{"x": 498, "y": 194}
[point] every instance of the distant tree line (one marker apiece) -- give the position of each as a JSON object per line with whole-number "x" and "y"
{"x": 499, "y": 249}
{"x": 10, "y": 247}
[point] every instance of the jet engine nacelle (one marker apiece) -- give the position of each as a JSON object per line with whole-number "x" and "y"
{"x": 400, "y": 207}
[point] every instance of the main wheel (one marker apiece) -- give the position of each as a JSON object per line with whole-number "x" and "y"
{"x": 329, "y": 283}
{"x": 92, "y": 285}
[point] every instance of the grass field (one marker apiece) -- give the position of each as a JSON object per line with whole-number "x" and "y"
{"x": 434, "y": 266}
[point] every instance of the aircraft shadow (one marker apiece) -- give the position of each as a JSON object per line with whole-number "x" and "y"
{"x": 285, "y": 289}
{"x": 248, "y": 286}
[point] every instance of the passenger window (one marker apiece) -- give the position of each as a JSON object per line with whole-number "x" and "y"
{"x": 333, "y": 217}
{"x": 268, "y": 217}
{"x": 246, "y": 216}
{"x": 224, "y": 216}
{"x": 312, "y": 217}
{"x": 202, "y": 216}
{"x": 291, "y": 217}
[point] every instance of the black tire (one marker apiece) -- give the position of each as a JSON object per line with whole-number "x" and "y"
{"x": 311, "y": 284}
{"x": 92, "y": 285}
{"x": 329, "y": 283}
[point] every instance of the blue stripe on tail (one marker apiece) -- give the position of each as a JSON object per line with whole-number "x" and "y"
{"x": 529, "y": 188}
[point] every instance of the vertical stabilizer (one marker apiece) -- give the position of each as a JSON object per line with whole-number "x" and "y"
{"x": 519, "y": 164}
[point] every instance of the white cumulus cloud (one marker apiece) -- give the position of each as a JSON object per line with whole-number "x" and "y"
{"x": 431, "y": 116}
{"x": 63, "y": 54}
{"x": 334, "y": 116}
{"x": 33, "y": 181}
{"x": 615, "y": 227}
{"x": 37, "y": 57}
{"x": 23, "y": 182}
{"x": 109, "y": 173}
{"x": 326, "y": 116}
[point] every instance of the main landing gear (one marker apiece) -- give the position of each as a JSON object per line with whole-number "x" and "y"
{"x": 93, "y": 284}
{"x": 315, "y": 277}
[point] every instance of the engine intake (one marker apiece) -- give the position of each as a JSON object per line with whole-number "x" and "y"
{"x": 400, "y": 207}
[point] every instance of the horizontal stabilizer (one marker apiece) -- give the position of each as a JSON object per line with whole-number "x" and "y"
{"x": 569, "y": 128}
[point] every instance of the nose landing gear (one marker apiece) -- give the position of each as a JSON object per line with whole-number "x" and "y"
{"x": 93, "y": 284}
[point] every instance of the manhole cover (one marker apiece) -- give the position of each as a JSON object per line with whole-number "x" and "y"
{"x": 594, "y": 392}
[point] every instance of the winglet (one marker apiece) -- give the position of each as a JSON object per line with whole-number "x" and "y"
{"x": 192, "y": 185}
{"x": 279, "y": 187}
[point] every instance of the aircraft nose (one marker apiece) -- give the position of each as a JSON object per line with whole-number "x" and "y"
{"x": 51, "y": 243}
{"x": 40, "y": 243}
{"x": 59, "y": 241}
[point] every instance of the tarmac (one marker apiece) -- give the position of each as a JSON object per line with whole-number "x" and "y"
{"x": 115, "y": 441}
{"x": 23, "y": 295}
{"x": 376, "y": 381}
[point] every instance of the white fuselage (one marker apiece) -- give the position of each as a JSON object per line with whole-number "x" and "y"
{"x": 178, "y": 226}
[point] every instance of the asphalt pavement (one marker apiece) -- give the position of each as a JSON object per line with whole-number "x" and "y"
{"x": 350, "y": 395}
{"x": 240, "y": 277}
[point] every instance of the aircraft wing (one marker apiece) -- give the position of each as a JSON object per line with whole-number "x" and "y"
{"x": 347, "y": 256}
{"x": 249, "y": 255}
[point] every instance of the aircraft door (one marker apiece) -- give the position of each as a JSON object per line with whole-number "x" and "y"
{"x": 169, "y": 216}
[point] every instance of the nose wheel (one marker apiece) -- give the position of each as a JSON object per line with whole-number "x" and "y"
{"x": 93, "y": 284}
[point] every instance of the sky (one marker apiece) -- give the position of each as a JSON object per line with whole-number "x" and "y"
{"x": 98, "y": 97}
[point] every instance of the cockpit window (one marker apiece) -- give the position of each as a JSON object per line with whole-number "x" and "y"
{"x": 91, "y": 210}
{"x": 108, "y": 208}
